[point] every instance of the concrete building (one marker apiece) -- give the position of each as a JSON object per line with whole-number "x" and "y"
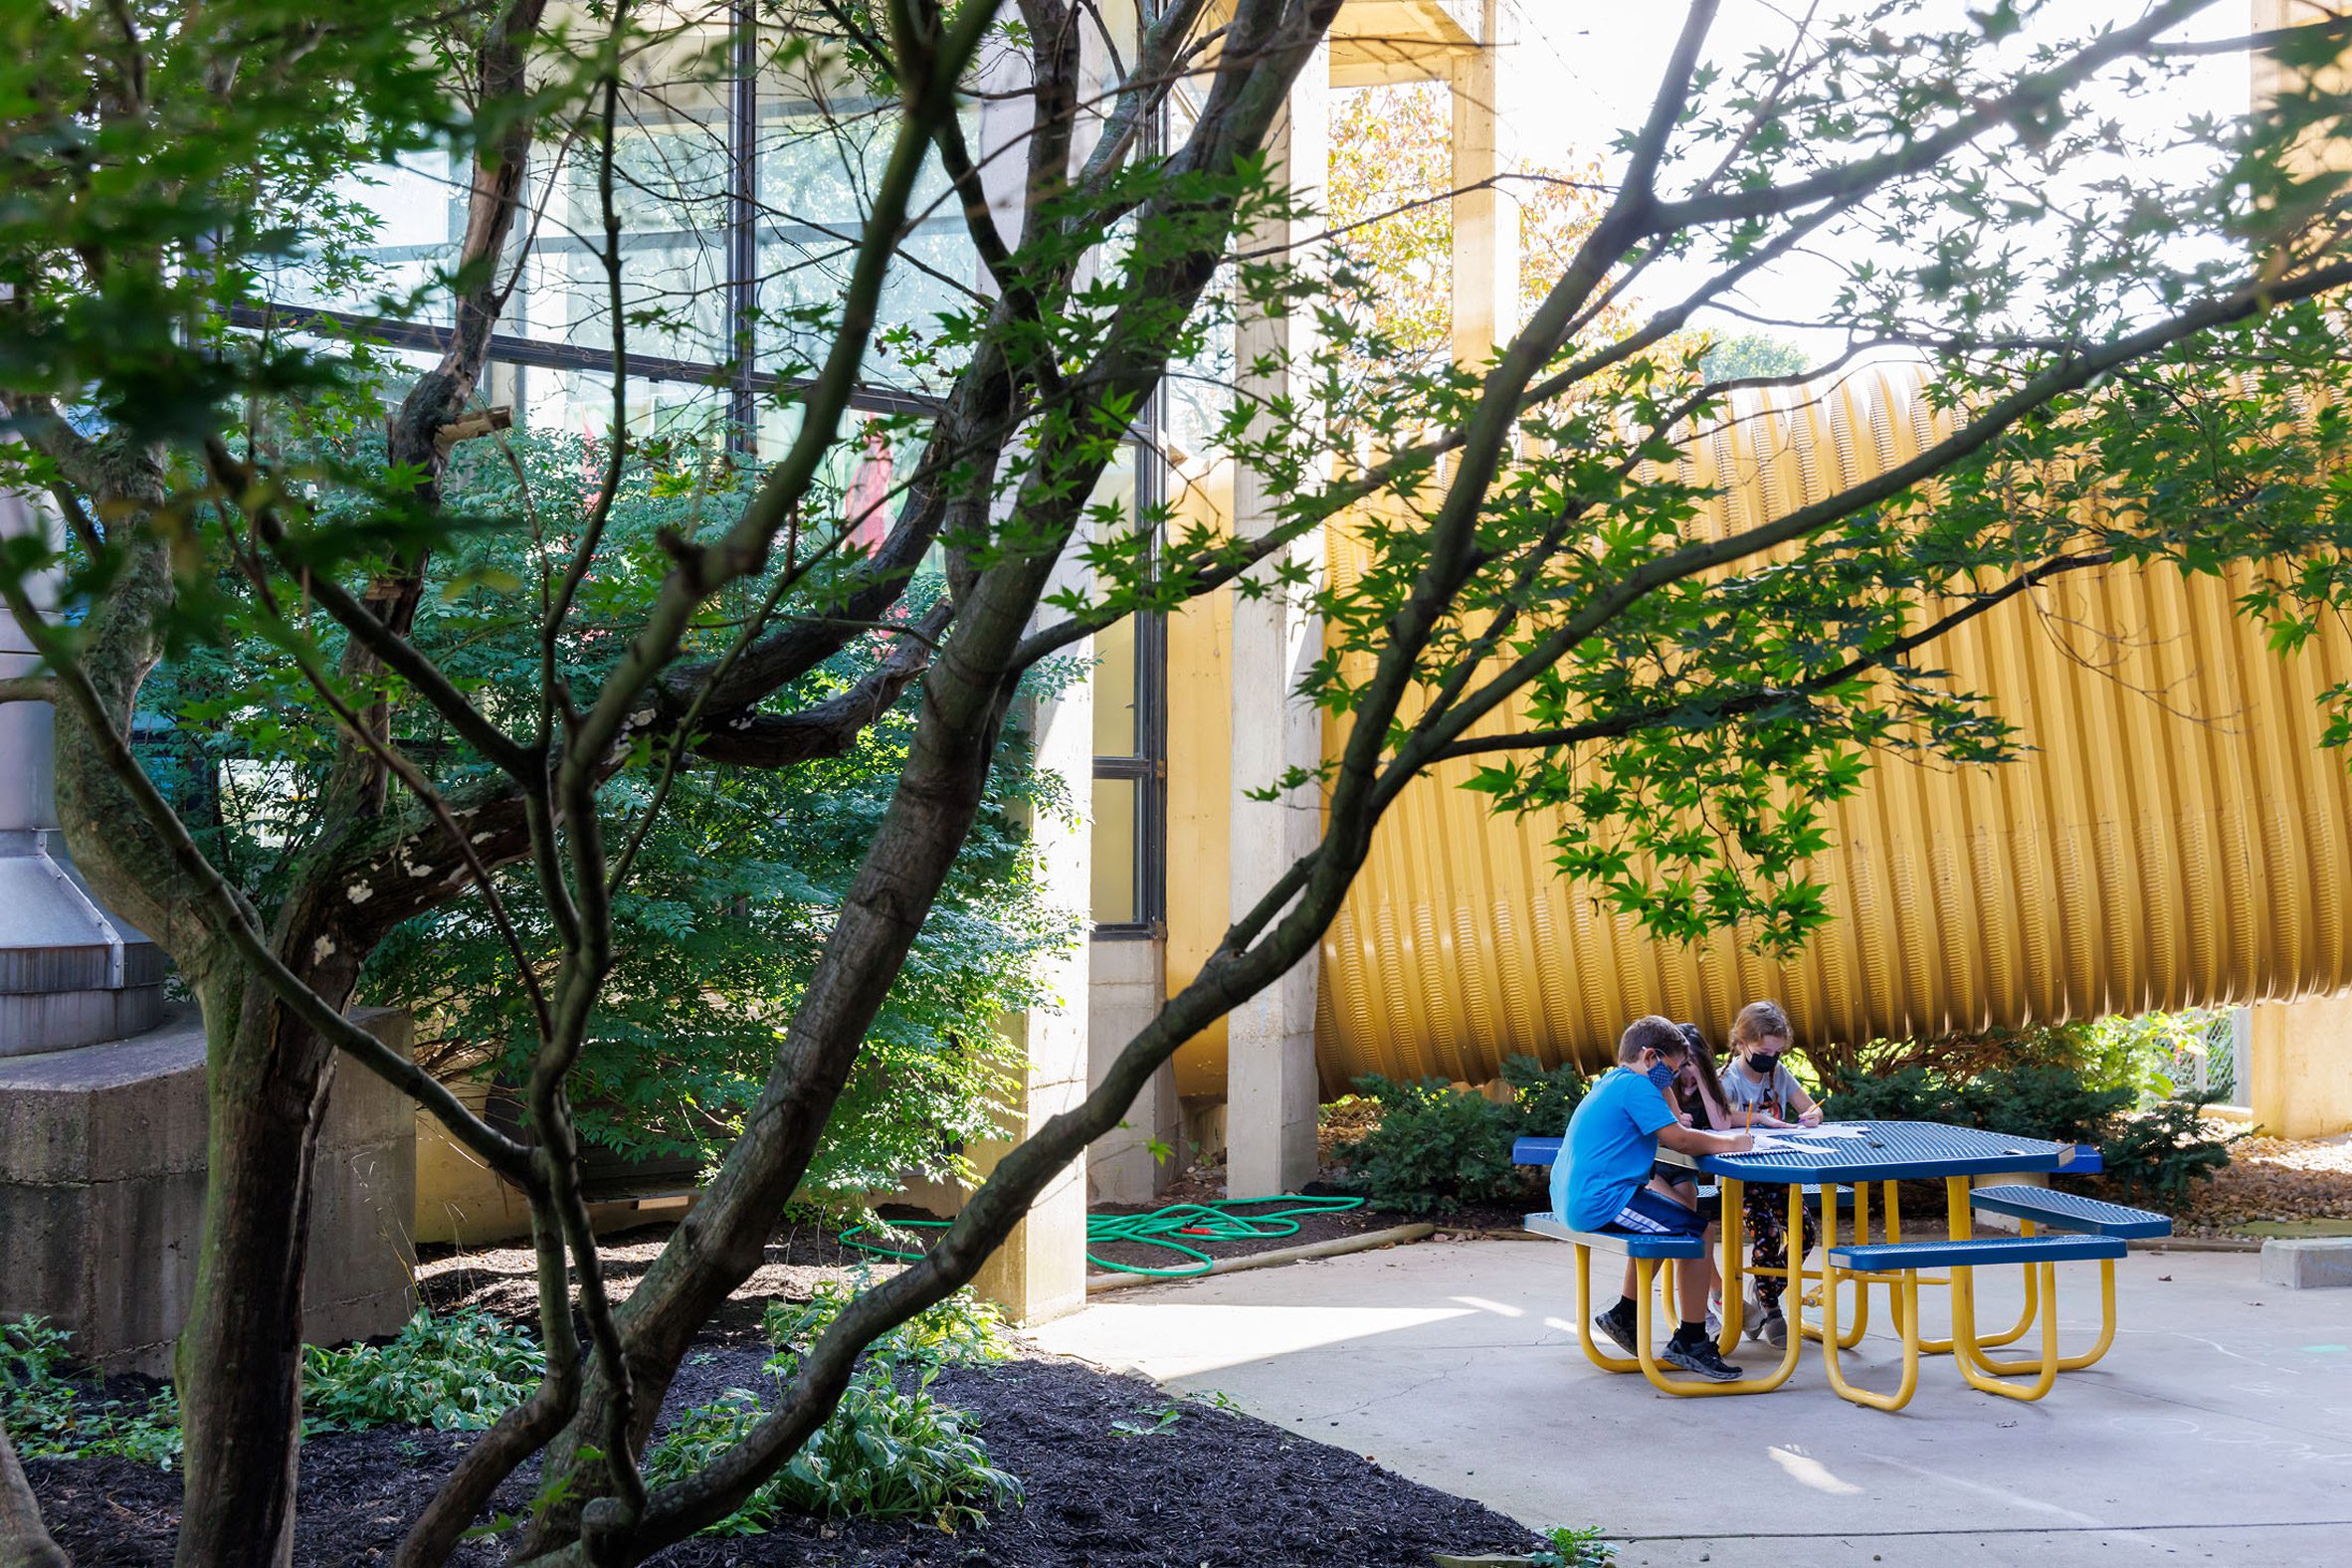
{"x": 2062, "y": 887}
{"x": 2059, "y": 887}
{"x": 1218, "y": 676}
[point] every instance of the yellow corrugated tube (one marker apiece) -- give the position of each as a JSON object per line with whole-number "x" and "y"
{"x": 2175, "y": 835}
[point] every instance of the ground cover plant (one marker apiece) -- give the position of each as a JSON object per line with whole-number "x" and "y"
{"x": 225, "y": 468}
{"x": 888, "y": 1451}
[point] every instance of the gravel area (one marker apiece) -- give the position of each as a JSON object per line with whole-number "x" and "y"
{"x": 2270, "y": 1180}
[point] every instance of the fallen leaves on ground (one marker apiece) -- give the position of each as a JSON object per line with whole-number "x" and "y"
{"x": 2274, "y": 1179}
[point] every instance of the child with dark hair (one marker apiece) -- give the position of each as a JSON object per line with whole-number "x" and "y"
{"x": 1762, "y": 1092}
{"x": 1696, "y": 1096}
{"x": 1602, "y": 1181}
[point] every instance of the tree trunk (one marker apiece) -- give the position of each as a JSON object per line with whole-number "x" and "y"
{"x": 239, "y": 1359}
{"x": 24, "y": 1542}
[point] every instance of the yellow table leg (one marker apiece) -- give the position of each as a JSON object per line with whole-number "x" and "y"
{"x": 1971, "y": 1356}
{"x": 1903, "y": 1287}
{"x": 1733, "y": 1272}
{"x": 1584, "y": 1317}
{"x": 1862, "y": 1288}
{"x": 1996, "y": 1366}
{"x": 1644, "y": 1339}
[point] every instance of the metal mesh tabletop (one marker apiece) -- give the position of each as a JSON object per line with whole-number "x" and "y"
{"x": 1887, "y": 1151}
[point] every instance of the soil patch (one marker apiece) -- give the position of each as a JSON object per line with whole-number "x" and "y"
{"x": 504, "y": 1279}
{"x": 1205, "y": 1486}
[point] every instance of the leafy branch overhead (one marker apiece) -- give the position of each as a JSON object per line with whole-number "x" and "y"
{"x": 700, "y": 742}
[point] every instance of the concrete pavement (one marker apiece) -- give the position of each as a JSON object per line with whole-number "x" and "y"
{"x": 2218, "y": 1429}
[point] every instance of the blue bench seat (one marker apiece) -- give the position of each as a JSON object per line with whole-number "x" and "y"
{"x": 1900, "y": 1263}
{"x": 2071, "y": 1211}
{"x": 1892, "y": 1257}
{"x": 1544, "y": 1224}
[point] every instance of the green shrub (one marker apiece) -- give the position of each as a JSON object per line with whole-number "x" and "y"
{"x": 2162, "y": 1153}
{"x": 1571, "y": 1546}
{"x": 1434, "y": 1149}
{"x": 459, "y": 1372}
{"x": 962, "y": 1330}
{"x": 2043, "y": 1102}
{"x": 1907, "y": 1094}
{"x": 50, "y": 1416}
{"x": 1542, "y": 1098}
{"x": 888, "y": 1451}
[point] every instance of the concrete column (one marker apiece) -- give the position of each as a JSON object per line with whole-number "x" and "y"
{"x": 1271, "y": 1060}
{"x": 1128, "y": 983}
{"x": 1040, "y": 1271}
{"x": 2300, "y": 1063}
{"x": 1486, "y": 214}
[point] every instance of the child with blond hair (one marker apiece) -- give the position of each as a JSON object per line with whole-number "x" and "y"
{"x": 1761, "y": 1092}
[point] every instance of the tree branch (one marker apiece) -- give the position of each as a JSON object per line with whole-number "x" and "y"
{"x": 1699, "y": 710}
{"x": 235, "y": 922}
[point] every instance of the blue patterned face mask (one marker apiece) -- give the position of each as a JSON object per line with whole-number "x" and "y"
{"x": 1661, "y": 1075}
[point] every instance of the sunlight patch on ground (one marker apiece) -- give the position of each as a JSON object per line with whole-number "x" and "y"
{"x": 1184, "y": 1339}
{"x": 1805, "y": 1470}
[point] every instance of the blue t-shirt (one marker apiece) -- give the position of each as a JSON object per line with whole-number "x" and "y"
{"x": 1612, "y": 1140}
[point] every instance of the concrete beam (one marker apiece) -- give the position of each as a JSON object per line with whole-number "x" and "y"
{"x": 1376, "y": 42}
{"x": 1127, "y": 982}
{"x": 1040, "y": 1272}
{"x": 1271, "y": 1079}
{"x": 1485, "y": 212}
{"x": 2308, "y": 1262}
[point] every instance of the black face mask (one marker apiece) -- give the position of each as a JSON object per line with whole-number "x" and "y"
{"x": 1764, "y": 1060}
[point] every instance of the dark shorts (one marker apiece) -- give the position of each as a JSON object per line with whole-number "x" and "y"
{"x": 1709, "y": 1195}
{"x": 1650, "y": 1213}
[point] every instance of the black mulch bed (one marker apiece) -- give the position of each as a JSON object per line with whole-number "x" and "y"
{"x": 502, "y": 1279}
{"x": 1209, "y": 1488}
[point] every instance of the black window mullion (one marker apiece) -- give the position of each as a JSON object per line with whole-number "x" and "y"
{"x": 743, "y": 226}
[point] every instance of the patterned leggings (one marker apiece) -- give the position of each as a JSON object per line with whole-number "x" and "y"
{"x": 1767, "y": 1212}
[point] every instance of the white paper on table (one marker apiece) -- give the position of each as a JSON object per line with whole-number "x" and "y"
{"x": 1772, "y": 1141}
{"x": 1832, "y": 1129}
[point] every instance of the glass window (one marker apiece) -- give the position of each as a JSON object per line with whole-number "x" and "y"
{"x": 1117, "y": 728}
{"x": 1117, "y": 852}
{"x": 1130, "y": 787}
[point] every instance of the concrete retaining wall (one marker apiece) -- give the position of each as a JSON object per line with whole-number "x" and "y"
{"x": 102, "y": 1194}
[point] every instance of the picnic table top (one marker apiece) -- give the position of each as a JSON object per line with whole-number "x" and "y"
{"x": 1887, "y": 1151}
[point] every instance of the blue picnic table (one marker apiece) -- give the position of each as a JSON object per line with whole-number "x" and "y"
{"x": 1888, "y": 1151}
{"x": 1885, "y": 1153}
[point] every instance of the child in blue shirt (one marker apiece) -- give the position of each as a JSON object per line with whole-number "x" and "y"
{"x": 1602, "y": 1181}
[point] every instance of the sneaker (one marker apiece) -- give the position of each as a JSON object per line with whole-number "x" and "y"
{"x": 1773, "y": 1329}
{"x": 1702, "y": 1359}
{"x": 1714, "y": 1323}
{"x": 1619, "y": 1331}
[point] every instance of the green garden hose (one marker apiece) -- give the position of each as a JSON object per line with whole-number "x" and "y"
{"x": 1203, "y": 1222}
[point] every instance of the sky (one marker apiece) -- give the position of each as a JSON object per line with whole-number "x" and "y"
{"x": 1591, "y": 65}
